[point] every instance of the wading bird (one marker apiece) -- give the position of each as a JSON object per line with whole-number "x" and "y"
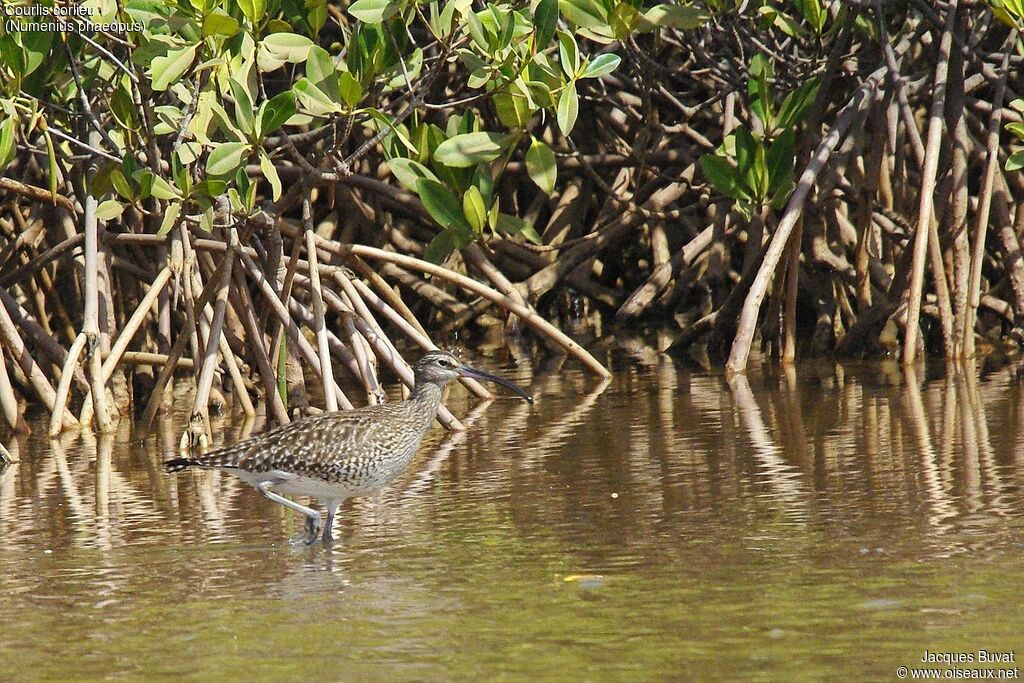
{"x": 341, "y": 454}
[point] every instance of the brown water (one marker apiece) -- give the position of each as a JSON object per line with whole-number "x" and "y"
{"x": 829, "y": 525}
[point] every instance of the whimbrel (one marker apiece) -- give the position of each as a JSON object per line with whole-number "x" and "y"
{"x": 341, "y": 454}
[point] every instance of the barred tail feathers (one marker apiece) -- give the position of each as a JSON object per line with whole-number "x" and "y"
{"x": 219, "y": 458}
{"x": 178, "y": 464}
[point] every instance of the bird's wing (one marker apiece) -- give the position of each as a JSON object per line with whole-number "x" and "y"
{"x": 306, "y": 447}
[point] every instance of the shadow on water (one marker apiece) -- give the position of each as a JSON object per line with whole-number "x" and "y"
{"x": 788, "y": 526}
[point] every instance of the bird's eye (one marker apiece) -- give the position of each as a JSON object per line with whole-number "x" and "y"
{"x": 444, "y": 363}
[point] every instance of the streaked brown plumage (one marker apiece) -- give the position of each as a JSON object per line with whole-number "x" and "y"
{"x": 342, "y": 454}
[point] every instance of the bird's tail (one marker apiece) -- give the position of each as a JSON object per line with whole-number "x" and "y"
{"x": 179, "y": 464}
{"x": 221, "y": 458}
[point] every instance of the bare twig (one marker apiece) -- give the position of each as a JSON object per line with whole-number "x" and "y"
{"x": 318, "y": 307}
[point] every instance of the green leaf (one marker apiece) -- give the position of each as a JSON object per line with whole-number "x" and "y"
{"x": 168, "y": 69}
{"x": 350, "y": 89}
{"x": 814, "y": 13}
{"x": 276, "y": 111}
{"x": 483, "y": 179}
{"x": 373, "y": 11}
{"x": 109, "y": 210}
{"x": 398, "y": 131}
{"x": 771, "y": 16}
{"x": 8, "y": 130}
{"x": 317, "y": 14}
{"x": 11, "y": 53}
{"x": 601, "y": 65}
{"x": 225, "y": 122}
{"x": 37, "y": 48}
{"x": 746, "y": 149}
{"x": 206, "y": 221}
{"x": 474, "y": 210}
{"x": 720, "y": 173}
{"x": 421, "y": 133}
{"x": 568, "y": 109}
{"x": 439, "y": 248}
{"x": 520, "y": 87}
{"x": 568, "y": 54}
{"x": 681, "y": 17}
{"x": 470, "y": 149}
{"x": 584, "y": 13}
{"x": 758, "y": 176}
{"x": 1016, "y": 161}
{"x": 545, "y": 21}
{"x": 408, "y": 172}
{"x": 757, "y": 88}
{"x": 161, "y": 189}
{"x": 513, "y": 225}
{"x": 508, "y": 224}
{"x": 218, "y": 23}
{"x": 540, "y": 93}
{"x": 288, "y": 47}
{"x": 253, "y": 9}
{"x": 513, "y": 107}
{"x": 1002, "y": 15}
{"x": 319, "y": 65}
{"x": 493, "y": 213}
{"x": 226, "y": 157}
{"x": 54, "y": 175}
{"x": 441, "y": 204}
{"x": 270, "y": 173}
{"x": 99, "y": 183}
{"x": 443, "y": 22}
{"x": 144, "y": 177}
{"x": 179, "y": 172}
{"x": 123, "y": 108}
{"x": 540, "y": 164}
{"x": 624, "y": 20}
{"x": 244, "y": 113}
{"x": 170, "y": 218}
{"x": 530, "y": 233}
{"x": 121, "y": 184}
{"x": 211, "y": 187}
{"x": 151, "y": 185}
{"x": 1017, "y": 129}
{"x": 235, "y": 199}
{"x": 477, "y": 32}
{"x": 504, "y": 25}
{"x": 761, "y": 67}
{"x": 313, "y": 99}
{"x": 797, "y": 103}
{"x": 782, "y": 191}
{"x": 780, "y": 159}
{"x": 413, "y": 66}
{"x": 467, "y": 123}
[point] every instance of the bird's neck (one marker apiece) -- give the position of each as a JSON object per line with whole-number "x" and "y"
{"x": 427, "y": 398}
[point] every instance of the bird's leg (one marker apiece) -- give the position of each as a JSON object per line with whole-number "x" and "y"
{"x": 332, "y": 509}
{"x": 312, "y": 529}
{"x": 310, "y": 532}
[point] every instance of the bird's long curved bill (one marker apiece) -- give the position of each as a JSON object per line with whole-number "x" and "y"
{"x": 467, "y": 371}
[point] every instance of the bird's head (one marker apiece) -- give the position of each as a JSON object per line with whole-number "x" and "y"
{"x": 441, "y": 367}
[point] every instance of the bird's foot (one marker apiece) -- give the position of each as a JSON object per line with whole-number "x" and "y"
{"x": 310, "y": 533}
{"x": 328, "y": 537}
{"x": 304, "y": 539}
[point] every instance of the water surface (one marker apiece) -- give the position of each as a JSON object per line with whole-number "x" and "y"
{"x": 831, "y": 523}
